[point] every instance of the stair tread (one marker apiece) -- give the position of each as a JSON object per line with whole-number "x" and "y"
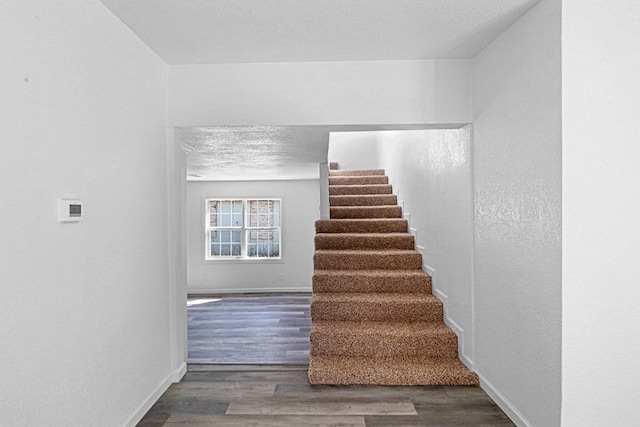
{"x": 371, "y": 281}
{"x": 360, "y": 189}
{"x": 371, "y": 273}
{"x": 363, "y": 220}
{"x": 396, "y": 370}
{"x": 360, "y": 196}
{"x": 365, "y": 207}
{"x": 339, "y": 200}
{"x": 370, "y": 179}
{"x": 375, "y": 297}
{"x": 391, "y": 329}
{"x": 358, "y": 185}
{"x": 379, "y": 236}
{"x": 356, "y": 172}
{"x": 379, "y": 252}
{"x": 382, "y": 235}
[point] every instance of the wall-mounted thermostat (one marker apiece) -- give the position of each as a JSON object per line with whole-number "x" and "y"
{"x": 69, "y": 210}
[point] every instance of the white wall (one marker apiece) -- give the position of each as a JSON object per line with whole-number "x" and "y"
{"x": 601, "y": 211}
{"x": 517, "y": 248}
{"x": 431, "y": 174}
{"x": 430, "y": 171}
{"x": 354, "y": 150}
{"x": 84, "y": 308}
{"x": 177, "y": 225}
{"x": 373, "y": 92}
{"x": 300, "y": 210}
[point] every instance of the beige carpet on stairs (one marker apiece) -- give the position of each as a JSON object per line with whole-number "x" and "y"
{"x": 374, "y": 318}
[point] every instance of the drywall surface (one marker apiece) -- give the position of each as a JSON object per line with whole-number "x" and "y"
{"x": 368, "y": 92}
{"x": 517, "y": 226}
{"x": 84, "y": 311}
{"x": 300, "y": 210}
{"x": 430, "y": 171}
{"x": 177, "y": 208}
{"x": 601, "y": 211}
{"x": 354, "y": 150}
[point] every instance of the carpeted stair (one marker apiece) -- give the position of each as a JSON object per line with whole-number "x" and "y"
{"x": 374, "y": 319}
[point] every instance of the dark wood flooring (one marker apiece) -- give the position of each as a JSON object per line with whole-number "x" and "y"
{"x": 285, "y": 398}
{"x": 249, "y": 328}
{"x": 248, "y": 359}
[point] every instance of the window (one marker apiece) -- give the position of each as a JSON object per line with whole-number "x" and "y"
{"x": 242, "y": 228}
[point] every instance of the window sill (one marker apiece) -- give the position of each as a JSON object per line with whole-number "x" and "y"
{"x": 240, "y": 260}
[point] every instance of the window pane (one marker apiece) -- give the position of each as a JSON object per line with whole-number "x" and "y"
{"x": 225, "y": 249}
{"x": 215, "y": 236}
{"x": 237, "y": 206}
{"x": 260, "y": 213}
{"x": 213, "y": 213}
{"x": 263, "y": 250}
{"x": 252, "y": 237}
{"x": 237, "y": 220}
{"x": 235, "y": 237}
{"x": 215, "y": 250}
{"x": 225, "y": 206}
{"x": 251, "y": 250}
{"x": 225, "y": 236}
{"x": 237, "y": 249}
{"x": 275, "y": 250}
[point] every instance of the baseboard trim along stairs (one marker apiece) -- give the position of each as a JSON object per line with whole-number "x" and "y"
{"x": 374, "y": 317}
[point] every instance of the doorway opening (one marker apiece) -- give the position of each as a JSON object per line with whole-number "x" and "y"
{"x": 249, "y": 329}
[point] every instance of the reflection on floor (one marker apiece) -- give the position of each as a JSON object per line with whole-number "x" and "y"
{"x": 249, "y": 328}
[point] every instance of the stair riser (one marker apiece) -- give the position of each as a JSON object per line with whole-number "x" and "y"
{"x": 356, "y": 172}
{"x": 359, "y": 212}
{"x": 350, "y": 284}
{"x": 355, "y": 241}
{"x": 339, "y": 370}
{"x": 354, "y": 226}
{"x": 358, "y": 180}
{"x": 336, "y": 190}
{"x": 375, "y": 200}
{"x": 357, "y": 261}
{"x": 417, "y": 311}
{"x": 374, "y": 345}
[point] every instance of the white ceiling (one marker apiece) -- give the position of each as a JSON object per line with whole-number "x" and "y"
{"x": 232, "y": 31}
{"x": 243, "y": 31}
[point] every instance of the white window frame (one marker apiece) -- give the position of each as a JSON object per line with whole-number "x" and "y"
{"x": 244, "y": 230}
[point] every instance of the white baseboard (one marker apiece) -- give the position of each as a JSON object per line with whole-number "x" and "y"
{"x": 245, "y": 290}
{"x": 466, "y": 360}
{"x": 154, "y": 396}
{"x": 427, "y": 268}
{"x": 179, "y": 373}
{"x": 504, "y": 403}
{"x": 414, "y": 233}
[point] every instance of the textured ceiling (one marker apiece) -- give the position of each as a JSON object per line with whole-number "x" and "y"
{"x": 241, "y": 153}
{"x": 233, "y": 31}
{"x": 224, "y": 153}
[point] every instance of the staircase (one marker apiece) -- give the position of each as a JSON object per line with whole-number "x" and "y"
{"x": 374, "y": 319}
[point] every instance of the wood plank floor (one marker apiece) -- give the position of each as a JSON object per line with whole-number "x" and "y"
{"x": 248, "y": 359}
{"x": 285, "y": 398}
{"x": 249, "y": 328}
